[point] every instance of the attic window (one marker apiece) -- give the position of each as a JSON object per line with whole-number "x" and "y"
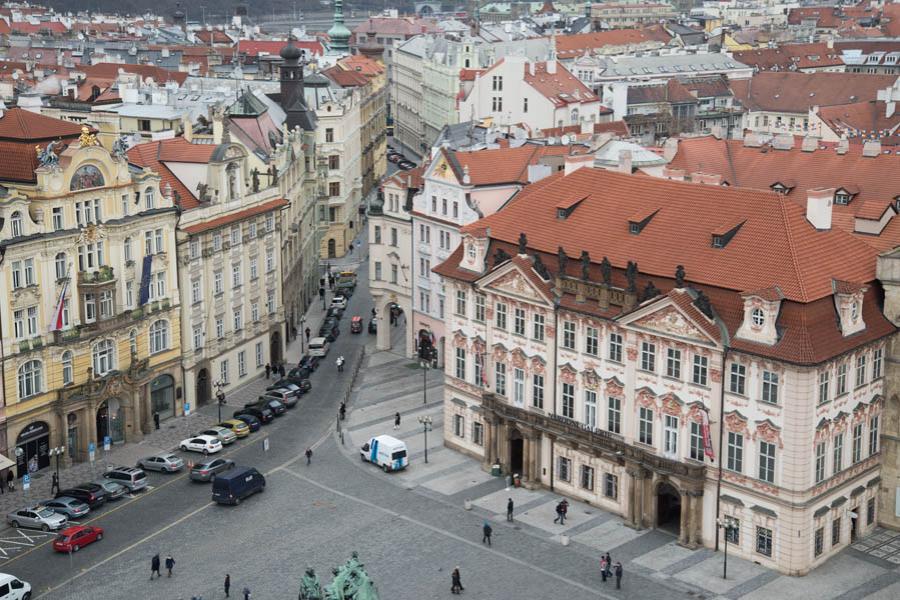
{"x": 637, "y": 222}
{"x": 634, "y": 228}
{"x": 843, "y": 197}
{"x": 897, "y": 203}
{"x": 567, "y": 207}
{"x": 723, "y": 235}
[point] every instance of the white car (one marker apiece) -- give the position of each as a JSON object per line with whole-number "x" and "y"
{"x": 206, "y": 444}
{"x": 339, "y": 301}
{"x": 13, "y": 588}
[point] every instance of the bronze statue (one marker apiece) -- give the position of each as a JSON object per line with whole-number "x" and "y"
{"x": 203, "y": 191}
{"x": 523, "y": 243}
{"x": 703, "y": 305}
{"x": 679, "y": 276}
{"x": 501, "y": 256}
{"x": 585, "y": 265}
{"x": 649, "y": 292}
{"x": 539, "y": 267}
{"x": 310, "y": 588}
{"x": 563, "y": 260}
{"x": 606, "y": 271}
{"x": 254, "y": 177}
{"x": 631, "y": 274}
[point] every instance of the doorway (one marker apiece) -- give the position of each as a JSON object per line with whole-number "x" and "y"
{"x": 110, "y": 422}
{"x": 668, "y": 508}
{"x": 162, "y": 397}
{"x": 275, "y": 348}
{"x": 203, "y": 388}
{"x": 854, "y": 524}
{"x": 34, "y": 444}
{"x": 332, "y": 250}
{"x": 516, "y": 451}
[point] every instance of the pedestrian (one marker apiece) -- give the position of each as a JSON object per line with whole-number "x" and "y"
{"x": 397, "y": 420}
{"x": 603, "y": 567}
{"x": 456, "y": 579}
{"x": 564, "y": 507}
{"x": 609, "y": 565}
{"x": 559, "y": 513}
{"x": 340, "y": 364}
{"x": 246, "y": 593}
{"x": 54, "y": 483}
{"x": 307, "y": 332}
{"x": 351, "y": 247}
{"x": 308, "y": 455}
{"x": 227, "y": 585}
{"x": 487, "y": 533}
{"x": 170, "y": 564}
{"x": 154, "y": 566}
{"x": 156, "y": 419}
{"x": 343, "y": 410}
{"x": 509, "y": 510}
{"x": 618, "y": 571}
{"x": 10, "y": 481}
{"x": 373, "y": 313}
{"x": 293, "y": 332}
{"x": 268, "y": 370}
{"x": 281, "y": 370}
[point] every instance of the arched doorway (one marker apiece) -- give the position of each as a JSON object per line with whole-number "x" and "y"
{"x": 332, "y": 250}
{"x": 33, "y": 448}
{"x": 668, "y": 508}
{"x": 162, "y": 397}
{"x": 275, "y": 348}
{"x": 111, "y": 421}
{"x": 204, "y": 389}
{"x": 516, "y": 448}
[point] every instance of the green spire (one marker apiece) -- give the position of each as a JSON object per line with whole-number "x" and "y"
{"x": 339, "y": 34}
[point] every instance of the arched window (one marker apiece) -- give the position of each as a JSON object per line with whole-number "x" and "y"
{"x": 60, "y": 263}
{"x": 104, "y": 357}
{"x": 132, "y": 339}
{"x": 67, "y": 372}
{"x": 759, "y": 317}
{"x": 149, "y": 199}
{"x": 15, "y": 221}
{"x": 126, "y": 249}
{"x": 159, "y": 337}
{"x": 30, "y": 378}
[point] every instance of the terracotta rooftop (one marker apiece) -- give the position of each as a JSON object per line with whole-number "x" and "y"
{"x": 861, "y": 119}
{"x": 156, "y": 154}
{"x": 570, "y": 46}
{"x": 111, "y": 71}
{"x": 21, "y": 125}
{"x": 273, "y": 47}
{"x": 797, "y": 92}
{"x": 787, "y": 56}
{"x": 561, "y": 87}
{"x": 236, "y": 216}
{"x": 500, "y": 165}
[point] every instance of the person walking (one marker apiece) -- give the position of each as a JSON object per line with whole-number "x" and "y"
{"x": 307, "y": 331}
{"x": 343, "y": 410}
{"x": 618, "y": 571}
{"x": 154, "y": 566}
{"x": 456, "y": 582}
{"x": 227, "y": 585}
{"x": 509, "y": 510}
{"x": 10, "y": 481}
{"x": 246, "y": 593}
{"x": 397, "y": 420}
{"x": 559, "y": 513}
{"x": 603, "y": 567}
{"x": 268, "y": 370}
{"x": 156, "y": 419}
{"x": 308, "y": 455}
{"x": 487, "y": 530}
{"x": 170, "y": 564}
{"x": 54, "y": 483}
{"x": 564, "y": 511}
{"x": 609, "y": 565}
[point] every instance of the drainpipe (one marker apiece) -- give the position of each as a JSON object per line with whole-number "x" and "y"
{"x": 3, "y": 359}
{"x": 553, "y": 357}
{"x": 721, "y": 438}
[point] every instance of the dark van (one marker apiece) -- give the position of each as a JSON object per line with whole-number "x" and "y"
{"x": 233, "y": 486}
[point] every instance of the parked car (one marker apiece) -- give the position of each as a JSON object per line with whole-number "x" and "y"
{"x": 249, "y": 420}
{"x": 90, "y": 493}
{"x": 406, "y": 165}
{"x": 208, "y": 471}
{"x": 164, "y": 463}
{"x": 288, "y": 397}
{"x": 18, "y": 589}
{"x": 309, "y": 362}
{"x": 205, "y": 444}
{"x": 356, "y": 324}
{"x": 264, "y": 416}
{"x": 236, "y": 426}
{"x": 274, "y": 406}
{"x": 70, "y": 507}
{"x": 113, "y": 490}
{"x": 298, "y": 374}
{"x": 73, "y": 539}
{"x": 37, "y": 517}
{"x": 335, "y": 312}
{"x": 226, "y": 436}
{"x": 318, "y": 346}
{"x": 303, "y": 385}
{"x": 238, "y": 483}
{"x": 340, "y": 301}
{"x": 373, "y": 325}
{"x": 132, "y": 478}
{"x": 395, "y": 158}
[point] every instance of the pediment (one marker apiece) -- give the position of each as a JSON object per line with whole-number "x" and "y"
{"x": 514, "y": 283}
{"x": 668, "y": 321}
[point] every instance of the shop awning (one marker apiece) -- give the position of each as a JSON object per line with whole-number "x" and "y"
{"x": 5, "y": 463}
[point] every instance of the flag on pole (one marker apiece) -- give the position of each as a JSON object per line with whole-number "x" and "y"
{"x": 57, "y": 323}
{"x": 707, "y": 438}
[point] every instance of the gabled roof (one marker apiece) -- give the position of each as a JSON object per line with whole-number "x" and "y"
{"x": 798, "y": 92}
{"x": 866, "y": 119}
{"x": 791, "y": 56}
{"x": 499, "y": 166}
{"x": 156, "y": 154}
{"x": 22, "y": 125}
{"x": 570, "y": 46}
{"x": 560, "y": 87}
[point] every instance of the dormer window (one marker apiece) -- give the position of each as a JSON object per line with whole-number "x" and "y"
{"x": 842, "y": 197}
{"x": 565, "y": 208}
{"x": 638, "y": 221}
{"x": 848, "y": 299}
{"x": 897, "y": 204}
{"x": 634, "y": 228}
{"x": 717, "y": 241}
{"x": 854, "y": 312}
{"x": 758, "y": 317}
{"x": 761, "y": 308}
{"x": 723, "y": 234}
{"x": 470, "y": 250}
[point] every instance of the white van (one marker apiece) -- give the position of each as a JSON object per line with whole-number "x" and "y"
{"x": 318, "y": 346}
{"x": 12, "y": 588}
{"x": 385, "y": 451}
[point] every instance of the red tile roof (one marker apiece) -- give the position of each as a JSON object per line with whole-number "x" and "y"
{"x": 273, "y": 47}
{"x": 469, "y": 74}
{"x": 619, "y": 128}
{"x": 569, "y": 46}
{"x": 405, "y": 26}
{"x": 797, "y": 92}
{"x": 155, "y": 155}
{"x": 362, "y": 64}
{"x": 861, "y": 119}
{"x": 345, "y": 78}
{"x": 824, "y": 16}
{"x": 788, "y": 56}
{"x": 18, "y": 124}
{"x": 500, "y": 165}
{"x": 236, "y": 216}
{"x": 111, "y": 71}
{"x": 560, "y": 87}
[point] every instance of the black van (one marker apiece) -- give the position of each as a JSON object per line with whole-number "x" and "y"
{"x": 233, "y": 486}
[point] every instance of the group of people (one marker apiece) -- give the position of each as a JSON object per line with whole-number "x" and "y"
{"x": 608, "y": 570}
{"x": 154, "y": 565}
{"x": 278, "y": 369}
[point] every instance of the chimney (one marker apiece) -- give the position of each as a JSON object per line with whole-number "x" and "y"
{"x": 530, "y": 69}
{"x": 670, "y": 149}
{"x": 466, "y": 179}
{"x": 673, "y": 174}
{"x": 551, "y": 67}
{"x": 751, "y": 140}
{"x": 810, "y": 144}
{"x": 625, "y": 161}
{"x": 573, "y": 163}
{"x": 871, "y": 148}
{"x": 818, "y": 207}
{"x": 783, "y": 141}
{"x": 187, "y": 130}
{"x": 843, "y": 146}
{"x": 716, "y": 131}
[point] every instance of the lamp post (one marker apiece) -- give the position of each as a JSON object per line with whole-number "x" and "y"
{"x": 426, "y": 427}
{"x": 57, "y": 452}
{"x": 220, "y": 398}
{"x": 730, "y": 526}
{"x": 302, "y": 335}
{"x": 424, "y": 363}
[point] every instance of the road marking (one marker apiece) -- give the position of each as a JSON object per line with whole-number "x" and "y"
{"x": 522, "y": 563}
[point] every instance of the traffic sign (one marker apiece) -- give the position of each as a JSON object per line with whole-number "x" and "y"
{"x": 107, "y": 443}
{"x": 26, "y": 481}
{"x": 187, "y": 409}
{"x": 92, "y": 449}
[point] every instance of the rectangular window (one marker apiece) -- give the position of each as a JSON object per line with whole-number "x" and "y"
{"x": 645, "y": 426}
{"x": 614, "y": 415}
{"x": 334, "y": 161}
{"x": 57, "y": 218}
{"x": 197, "y": 335}
{"x": 735, "y": 460}
{"x": 270, "y": 260}
{"x": 670, "y": 435}
{"x": 592, "y": 341}
{"x": 764, "y": 541}
{"x": 857, "y": 443}
{"x": 479, "y": 369}
{"x": 259, "y": 354}
{"x": 251, "y": 231}
{"x": 461, "y": 363}
{"x": 194, "y": 248}
{"x": 220, "y": 327}
{"x": 497, "y": 83}
{"x": 29, "y": 271}
{"x": 129, "y": 294}
{"x": 538, "y": 327}
{"x": 819, "y": 543}
{"x": 394, "y": 236}
{"x": 870, "y": 512}
{"x": 820, "y": 462}
{"x": 223, "y": 371}
{"x": 873, "y": 435}
{"x": 877, "y": 362}
{"x": 767, "y": 462}
{"x": 270, "y": 302}
{"x": 696, "y": 441}
{"x": 537, "y": 391}
{"x": 587, "y": 478}
{"x": 519, "y": 321}
{"x": 254, "y": 268}
{"x": 270, "y": 222}
{"x": 860, "y": 370}
{"x": 673, "y": 363}
{"x": 106, "y": 304}
{"x": 235, "y": 275}
{"x": 254, "y": 311}
{"x": 738, "y": 380}
{"x": 238, "y": 318}
{"x": 377, "y": 235}
{"x": 824, "y": 381}
{"x": 217, "y": 242}
{"x": 19, "y": 324}
{"x": 770, "y": 387}
{"x": 840, "y": 385}
{"x": 590, "y": 408}
{"x": 835, "y": 531}
{"x": 500, "y": 320}
{"x": 568, "y": 341}
{"x": 377, "y": 270}
{"x": 479, "y": 308}
{"x": 519, "y": 386}
{"x": 611, "y": 486}
{"x": 568, "y": 400}
{"x": 478, "y": 433}
{"x": 218, "y": 285}
{"x": 500, "y": 378}
{"x": 242, "y": 364}
{"x": 648, "y": 356}
{"x": 564, "y": 467}
{"x": 838, "y": 453}
{"x": 615, "y": 347}
{"x": 459, "y": 426}
{"x": 236, "y": 235}
{"x": 329, "y": 135}
{"x": 90, "y": 308}
{"x": 334, "y": 189}
{"x": 733, "y": 534}
{"x": 461, "y": 303}
{"x": 394, "y": 273}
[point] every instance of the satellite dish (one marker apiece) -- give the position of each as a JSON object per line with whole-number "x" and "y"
{"x": 564, "y": 140}
{"x": 15, "y": 76}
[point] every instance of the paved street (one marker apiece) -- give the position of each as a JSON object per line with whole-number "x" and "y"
{"x": 410, "y": 528}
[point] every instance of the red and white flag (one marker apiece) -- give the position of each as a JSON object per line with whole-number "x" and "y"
{"x": 707, "y": 438}
{"x": 56, "y": 324}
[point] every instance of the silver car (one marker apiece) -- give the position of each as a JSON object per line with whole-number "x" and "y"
{"x": 113, "y": 490}
{"x": 207, "y": 471}
{"x": 38, "y": 517}
{"x": 225, "y": 435}
{"x": 165, "y": 463}
{"x": 70, "y": 507}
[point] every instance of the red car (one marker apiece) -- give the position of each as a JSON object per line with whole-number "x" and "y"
{"x": 72, "y": 539}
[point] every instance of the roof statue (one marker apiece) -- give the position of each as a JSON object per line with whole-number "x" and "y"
{"x": 120, "y": 146}
{"x": 539, "y": 267}
{"x": 649, "y": 292}
{"x": 606, "y": 270}
{"x": 500, "y": 256}
{"x": 631, "y": 274}
{"x": 585, "y": 265}
{"x": 523, "y": 244}
{"x": 47, "y": 157}
{"x": 87, "y": 138}
{"x": 679, "y": 276}
{"x": 563, "y": 260}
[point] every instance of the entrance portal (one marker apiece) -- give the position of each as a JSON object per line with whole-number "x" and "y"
{"x": 33, "y": 448}
{"x": 516, "y": 447}
{"x": 162, "y": 396}
{"x": 111, "y": 422}
{"x": 275, "y": 348}
{"x": 668, "y": 508}
{"x": 204, "y": 391}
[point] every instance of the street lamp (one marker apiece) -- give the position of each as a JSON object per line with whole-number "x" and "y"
{"x": 302, "y": 335}
{"x": 220, "y": 398}
{"x": 730, "y": 526}
{"x": 57, "y": 452}
{"x": 426, "y": 427}
{"x": 424, "y": 364}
